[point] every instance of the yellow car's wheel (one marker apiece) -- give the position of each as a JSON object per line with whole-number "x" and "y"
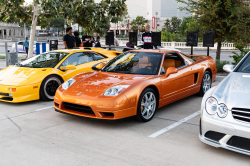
{"x": 49, "y": 87}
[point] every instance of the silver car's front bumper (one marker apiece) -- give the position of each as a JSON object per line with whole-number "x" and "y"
{"x": 224, "y": 134}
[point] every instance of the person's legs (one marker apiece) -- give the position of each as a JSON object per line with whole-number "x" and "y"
{"x": 27, "y": 50}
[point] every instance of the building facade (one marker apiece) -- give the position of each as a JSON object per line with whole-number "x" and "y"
{"x": 155, "y": 11}
{"x": 11, "y": 30}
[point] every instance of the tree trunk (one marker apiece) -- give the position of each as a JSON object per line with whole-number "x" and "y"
{"x": 218, "y": 51}
{"x": 33, "y": 31}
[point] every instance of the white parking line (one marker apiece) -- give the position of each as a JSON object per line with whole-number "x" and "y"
{"x": 156, "y": 134}
{"x": 43, "y": 108}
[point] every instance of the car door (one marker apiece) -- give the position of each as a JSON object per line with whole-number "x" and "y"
{"x": 20, "y": 47}
{"x": 177, "y": 85}
{"x": 82, "y": 61}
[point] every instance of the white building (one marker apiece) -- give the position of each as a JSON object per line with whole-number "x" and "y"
{"x": 159, "y": 10}
{"x": 11, "y": 30}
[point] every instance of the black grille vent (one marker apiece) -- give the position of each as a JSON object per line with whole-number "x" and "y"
{"x": 241, "y": 114}
{"x": 214, "y": 135}
{"x": 4, "y": 94}
{"x": 78, "y": 108}
{"x": 239, "y": 142}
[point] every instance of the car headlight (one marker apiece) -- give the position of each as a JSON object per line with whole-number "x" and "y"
{"x": 212, "y": 107}
{"x": 116, "y": 90}
{"x": 68, "y": 83}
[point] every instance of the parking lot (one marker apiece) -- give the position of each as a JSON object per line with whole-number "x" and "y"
{"x": 33, "y": 133}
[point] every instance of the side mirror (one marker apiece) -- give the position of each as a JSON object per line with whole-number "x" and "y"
{"x": 100, "y": 66}
{"x": 228, "y": 68}
{"x": 69, "y": 67}
{"x": 171, "y": 70}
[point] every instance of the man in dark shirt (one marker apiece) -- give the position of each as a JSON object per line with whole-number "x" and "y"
{"x": 88, "y": 41}
{"x": 69, "y": 40}
{"x": 146, "y": 38}
{"x": 78, "y": 40}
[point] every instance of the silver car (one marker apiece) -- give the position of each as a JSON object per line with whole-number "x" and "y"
{"x": 225, "y": 110}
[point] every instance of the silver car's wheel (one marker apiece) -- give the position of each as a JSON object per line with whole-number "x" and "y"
{"x": 206, "y": 82}
{"x": 148, "y": 105}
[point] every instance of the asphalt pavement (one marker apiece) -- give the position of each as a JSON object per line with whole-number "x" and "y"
{"x": 32, "y": 133}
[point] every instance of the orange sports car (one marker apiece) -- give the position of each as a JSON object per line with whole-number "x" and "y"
{"x": 135, "y": 83}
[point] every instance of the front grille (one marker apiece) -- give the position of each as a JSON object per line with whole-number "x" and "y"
{"x": 239, "y": 142}
{"x": 214, "y": 135}
{"x": 78, "y": 108}
{"x": 241, "y": 114}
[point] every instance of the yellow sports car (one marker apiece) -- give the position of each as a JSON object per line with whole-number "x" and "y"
{"x": 40, "y": 76}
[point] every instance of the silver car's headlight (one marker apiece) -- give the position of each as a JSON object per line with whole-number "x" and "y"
{"x": 68, "y": 83}
{"x": 222, "y": 110}
{"x": 212, "y": 107}
{"x": 116, "y": 90}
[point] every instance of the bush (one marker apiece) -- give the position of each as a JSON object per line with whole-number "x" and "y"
{"x": 237, "y": 57}
{"x": 220, "y": 64}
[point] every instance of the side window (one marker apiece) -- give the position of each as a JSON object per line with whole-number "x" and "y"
{"x": 173, "y": 60}
{"x": 97, "y": 56}
{"x": 78, "y": 58}
{"x": 20, "y": 43}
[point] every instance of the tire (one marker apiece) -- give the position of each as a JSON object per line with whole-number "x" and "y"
{"x": 49, "y": 86}
{"x": 147, "y": 105}
{"x": 206, "y": 83}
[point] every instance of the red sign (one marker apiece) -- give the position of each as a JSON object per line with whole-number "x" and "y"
{"x": 153, "y": 20}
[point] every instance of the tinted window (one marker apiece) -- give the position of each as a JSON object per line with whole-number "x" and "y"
{"x": 97, "y": 56}
{"x": 78, "y": 58}
{"x": 20, "y": 43}
{"x": 245, "y": 66}
{"x": 190, "y": 59}
{"x": 46, "y": 60}
{"x": 142, "y": 63}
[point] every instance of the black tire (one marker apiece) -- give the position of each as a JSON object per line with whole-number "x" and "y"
{"x": 49, "y": 86}
{"x": 140, "y": 108}
{"x": 205, "y": 83}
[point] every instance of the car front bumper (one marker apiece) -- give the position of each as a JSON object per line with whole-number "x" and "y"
{"x": 224, "y": 134}
{"x": 22, "y": 93}
{"x": 98, "y": 108}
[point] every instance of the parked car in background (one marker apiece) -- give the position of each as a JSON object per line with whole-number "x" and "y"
{"x": 20, "y": 47}
{"x": 40, "y": 76}
{"x": 225, "y": 116}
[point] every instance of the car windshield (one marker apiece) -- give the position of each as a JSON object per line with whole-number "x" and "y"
{"x": 142, "y": 63}
{"x": 46, "y": 60}
{"x": 245, "y": 66}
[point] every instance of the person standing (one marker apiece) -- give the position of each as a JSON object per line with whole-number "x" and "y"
{"x": 77, "y": 39}
{"x": 87, "y": 41}
{"x": 26, "y": 45}
{"x": 146, "y": 38}
{"x": 98, "y": 44}
{"x": 69, "y": 40}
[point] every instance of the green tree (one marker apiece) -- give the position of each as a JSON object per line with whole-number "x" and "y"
{"x": 230, "y": 19}
{"x": 138, "y": 23}
{"x": 172, "y": 25}
{"x": 88, "y": 14}
{"x": 57, "y": 22}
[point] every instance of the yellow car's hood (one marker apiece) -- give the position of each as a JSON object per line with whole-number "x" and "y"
{"x": 18, "y": 76}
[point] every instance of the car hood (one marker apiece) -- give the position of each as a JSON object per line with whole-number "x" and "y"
{"x": 18, "y": 76}
{"x": 234, "y": 90}
{"x": 94, "y": 84}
